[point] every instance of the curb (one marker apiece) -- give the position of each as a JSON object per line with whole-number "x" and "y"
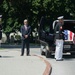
{"x": 17, "y": 46}
{"x": 48, "y": 66}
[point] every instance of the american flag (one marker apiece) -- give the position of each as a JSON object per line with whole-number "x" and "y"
{"x": 74, "y": 39}
{"x": 68, "y": 35}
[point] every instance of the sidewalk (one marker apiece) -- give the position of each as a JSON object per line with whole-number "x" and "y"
{"x": 11, "y": 63}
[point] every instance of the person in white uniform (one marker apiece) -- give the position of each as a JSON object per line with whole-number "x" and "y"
{"x": 59, "y": 39}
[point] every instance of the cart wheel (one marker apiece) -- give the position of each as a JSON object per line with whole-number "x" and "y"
{"x": 42, "y": 53}
{"x": 42, "y": 50}
{"x": 48, "y": 54}
{"x": 73, "y": 54}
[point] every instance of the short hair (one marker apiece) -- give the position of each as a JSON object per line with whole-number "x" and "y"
{"x": 25, "y": 20}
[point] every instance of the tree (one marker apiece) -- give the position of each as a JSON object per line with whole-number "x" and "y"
{"x": 15, "y": 11}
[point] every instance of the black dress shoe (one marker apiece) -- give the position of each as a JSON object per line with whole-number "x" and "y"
{"x": 0, "y": 56}
{"x": 59, "y": 59}
{"x": 28, "y": 55}
{"x": 21, "y": 55}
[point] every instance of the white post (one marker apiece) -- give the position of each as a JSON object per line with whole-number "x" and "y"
{"x": 0, "y": 43}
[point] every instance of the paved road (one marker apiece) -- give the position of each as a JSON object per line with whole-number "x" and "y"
{"x": 11, "y": 63}
{"x": 66, "y": 67}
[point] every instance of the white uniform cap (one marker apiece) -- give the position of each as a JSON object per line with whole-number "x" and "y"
{"x": 61, "y": 17}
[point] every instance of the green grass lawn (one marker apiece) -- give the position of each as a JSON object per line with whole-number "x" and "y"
{"x": 1, "y": 48}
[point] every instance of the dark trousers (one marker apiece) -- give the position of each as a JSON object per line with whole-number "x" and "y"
{"x": 25, "y": 43}
{"x": 0, "y": 35}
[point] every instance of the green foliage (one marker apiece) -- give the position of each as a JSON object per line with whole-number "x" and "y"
{"x": 5, "y": 6}
{"x": 15, "y": 11}
{"x": 17, "y": 37}
{"x": 8, "y": 29}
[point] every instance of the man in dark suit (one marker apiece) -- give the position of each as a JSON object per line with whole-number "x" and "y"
{"x": 25, "y": 30}
{"x": 0, "y": 27}
{"x": 59, "y": 39}
{"x": 0, "y": 30}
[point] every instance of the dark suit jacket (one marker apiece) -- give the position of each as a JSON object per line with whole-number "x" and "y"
{"x": 25, "y": 32}
{"x": 0, "y": 32}
{"x": 58, "y": 31}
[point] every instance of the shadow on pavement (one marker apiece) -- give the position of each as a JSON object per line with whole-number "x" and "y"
{"x": 7, "y": 57}
{"x": 66, "y": 57}
{"x": 69, "y": 57}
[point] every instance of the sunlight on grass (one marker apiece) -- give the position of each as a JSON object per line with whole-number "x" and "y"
{"x": 1, "y": 48}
